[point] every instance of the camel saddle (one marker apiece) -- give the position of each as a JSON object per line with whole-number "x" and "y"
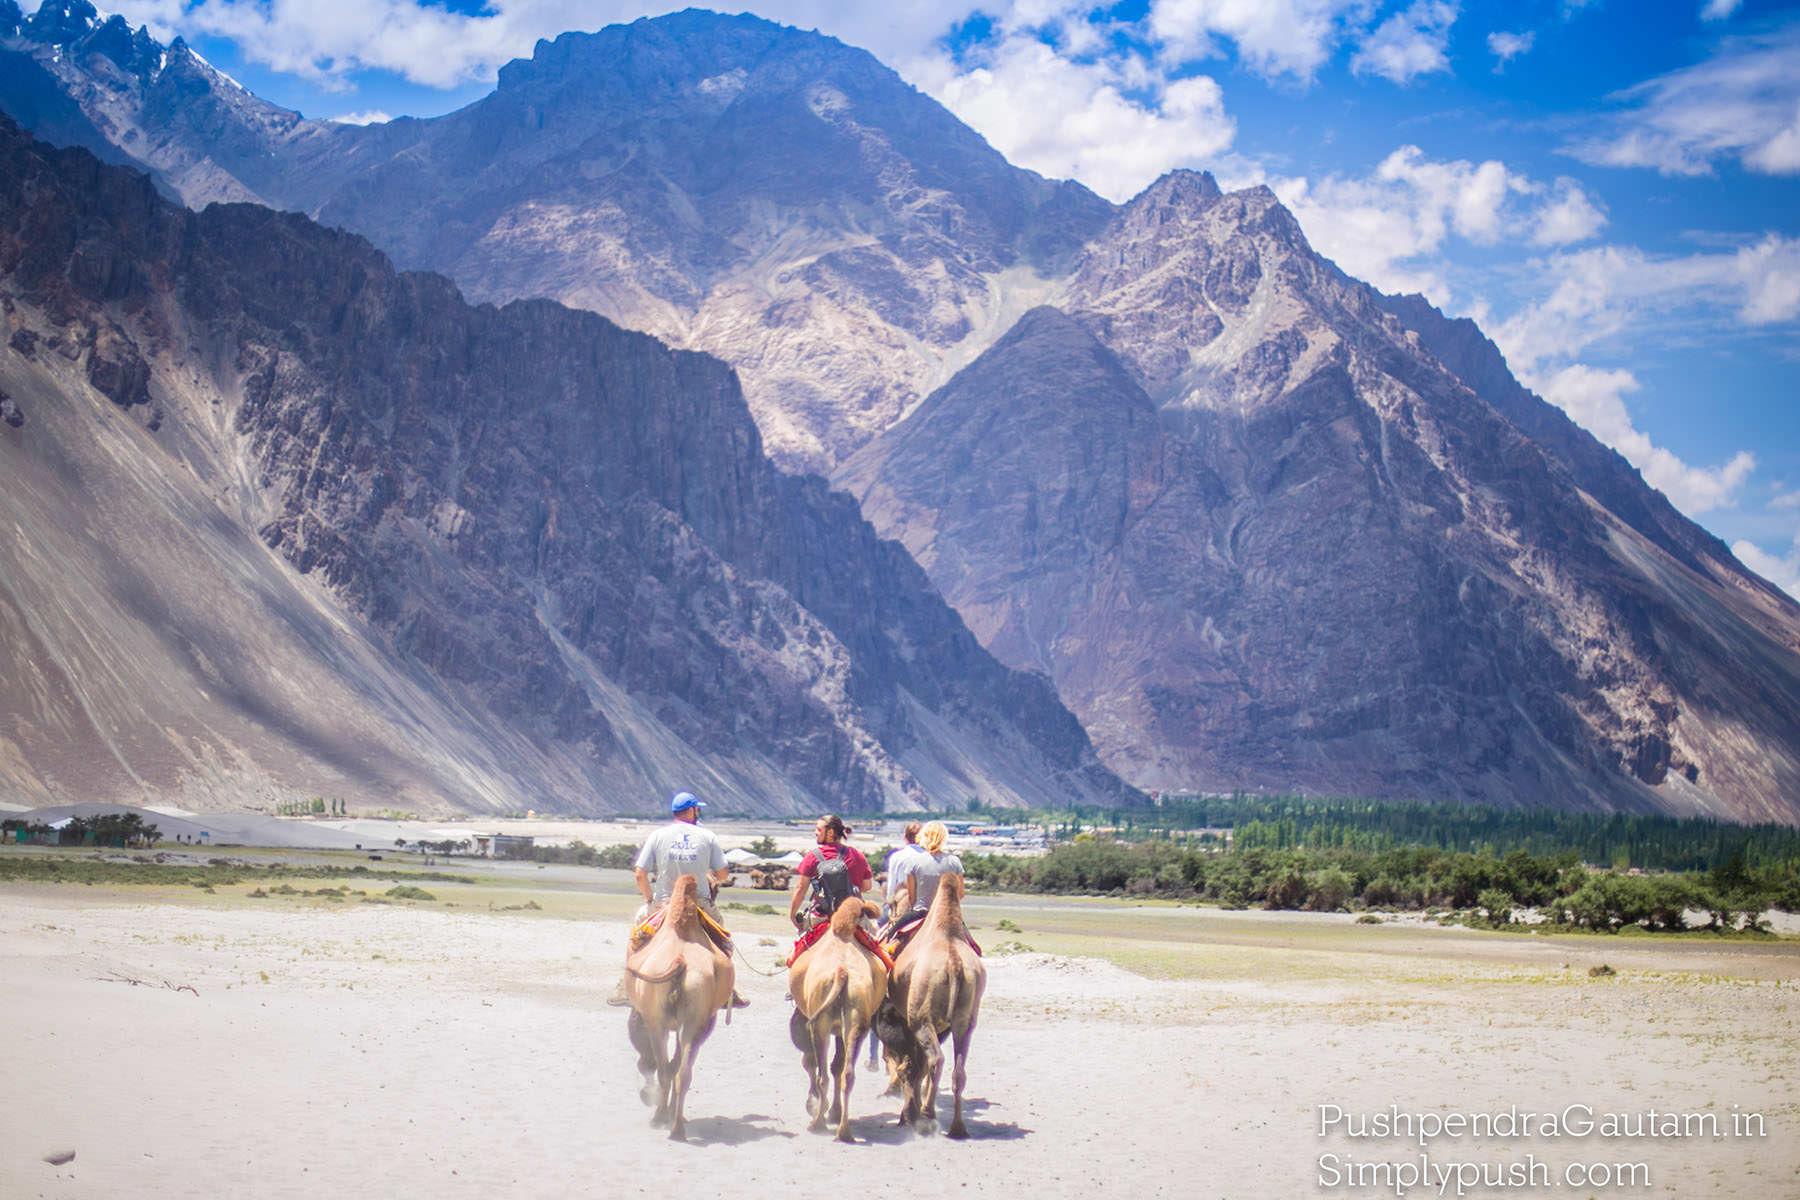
{"x": 896, "y": 935}
{"x": 641, "y": 935}
{"x": 805, "y": 940}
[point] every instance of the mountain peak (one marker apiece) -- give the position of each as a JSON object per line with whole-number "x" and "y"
{"x": 1182, "y": 186}
{"x": 60, "y": 22}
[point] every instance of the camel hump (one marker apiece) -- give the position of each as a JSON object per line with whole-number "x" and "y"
{"x": 843, "y": 921}
{"x": 684, "y": 905}
{"x": 946, "y": 906}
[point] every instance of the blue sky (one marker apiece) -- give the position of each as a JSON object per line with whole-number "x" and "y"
{"x": 1610, "y": 187}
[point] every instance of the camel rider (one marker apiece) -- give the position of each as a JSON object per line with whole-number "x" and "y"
{"x": 898, "y": 868}
{"x": 682, "y": 847}
{"x": 924, "y": 871}
{"x": 828, "y": 874}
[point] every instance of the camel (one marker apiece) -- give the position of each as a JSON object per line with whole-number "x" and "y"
{"x": 935, "y": 993}
{"x": 677, "y": 982}
{"x": 837, "y": 984}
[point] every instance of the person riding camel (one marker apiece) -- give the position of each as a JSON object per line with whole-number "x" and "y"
{"x": 682, "y": 847}
{"x": 897, "y": 870}
{"x": 924, "y": 870}
{"x": 827, "y": 875}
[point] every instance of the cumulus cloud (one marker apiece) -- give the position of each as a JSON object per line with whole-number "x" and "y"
{"x": 1069, "y": 119}
{"x": 1718, "y": 10}
{"x": 1507, "y": 46}
{"x": 1275, "y": 38}
{"x": 1594, "y": 399}
{"x": 1781, "y": 570}
{"x": 327, "y": 41}
{"x": 1743, "y": 103}
{"x": 1383, "y": 226}
{"x": 1409, "y": 44}
{"x": 1570, "y": 216}
{"x": 1607, "y": 292}
{"x": 373, "y": 116}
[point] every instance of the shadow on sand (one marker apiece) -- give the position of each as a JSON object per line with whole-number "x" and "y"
{"x": 885, "y": 1130}
{"x": 734, "y": 1131}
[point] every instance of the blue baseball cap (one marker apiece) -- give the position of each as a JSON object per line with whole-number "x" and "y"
{"x": 684, "y": 800}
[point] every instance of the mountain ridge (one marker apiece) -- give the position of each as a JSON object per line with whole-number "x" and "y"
{"x": 585, "y": 625}
{"x": 1398, "y": 573}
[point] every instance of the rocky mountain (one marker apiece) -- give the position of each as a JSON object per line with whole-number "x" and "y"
{"x": 1262, "y": 526}
{"x": 282, "y": 521}
{"x": 1255, "y": 533}
{"x": 773, "y": 197}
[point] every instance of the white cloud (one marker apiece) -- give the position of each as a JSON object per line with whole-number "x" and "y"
{"x": 1718, "y": 10}
{"x": 1594, "y": 399}
{"x": 1409, "y": 44}
{"x": 1507, "y": 46}
{"x": 1783, "y": 571}
{"x": 1069, "y": 119}
{"x": 1381, "y": 226}
{"x": 1770, "y": 275}
{"x": 1742, "y": 103}
{"x": 1572, "y": 216}
{"x": 1273, "y": 37}
{"x": 328, "y": 40}
{"x": 373, "y": 116}
{"x": 1595, "y": 294}
{"x": 1612, "y": 292}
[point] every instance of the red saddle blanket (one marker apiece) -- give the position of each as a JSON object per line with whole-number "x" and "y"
{"x": 896, "y": 936}
{"x": 805, "y": 940}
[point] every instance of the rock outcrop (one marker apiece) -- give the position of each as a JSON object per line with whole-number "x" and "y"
{"x": 1259, "y": 537}
{"x": 488, "y": 558}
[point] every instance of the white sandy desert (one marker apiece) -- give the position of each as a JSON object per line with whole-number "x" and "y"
{"x": 212, "y": 1045}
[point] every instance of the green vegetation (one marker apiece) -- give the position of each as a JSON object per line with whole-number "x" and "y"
{"x": 578, "y": 854}
{"x": 1297, "y": 822}
{"x": 105, "y": 829}
{"x": 755, "y": 910}
{"x": 1486, "y": 889}
{"x": 58, "y": 868}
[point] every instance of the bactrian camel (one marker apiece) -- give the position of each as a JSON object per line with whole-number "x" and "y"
{"x": 837, "y": 984}
{"x": 935, "y": 993}
{"x": 677, "y": 982}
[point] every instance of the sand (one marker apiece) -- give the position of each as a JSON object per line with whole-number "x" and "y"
{"x": 281, "y": 1047}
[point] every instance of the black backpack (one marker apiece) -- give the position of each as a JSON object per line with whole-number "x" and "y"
{"x": 831, "y": 883}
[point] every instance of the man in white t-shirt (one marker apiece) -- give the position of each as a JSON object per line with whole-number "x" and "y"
{"x": 898, "y": 868}
{"x": 682, "y": 847}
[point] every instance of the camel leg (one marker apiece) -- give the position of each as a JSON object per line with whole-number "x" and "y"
{"x": 646, "y": 1048}
{"x": 837, "y": 1075}
{"x": 931, "y": 1069}
{"x": 665, "y": 1092}
{"x": 686, "y": 1048}
{"x": 681, "y": 1074}
{"x": 890, "y": 1033}
{"x": 820, "y": 1065}
{"x": 847, "y": 1076}
{"x": 959, "y": 1075}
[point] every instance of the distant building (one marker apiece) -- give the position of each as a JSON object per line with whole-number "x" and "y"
{"x": 502, "y": 845}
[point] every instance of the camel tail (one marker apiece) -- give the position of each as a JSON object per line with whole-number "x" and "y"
{"x": 840, "y": 980}
{"x": 673, "y": 977}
